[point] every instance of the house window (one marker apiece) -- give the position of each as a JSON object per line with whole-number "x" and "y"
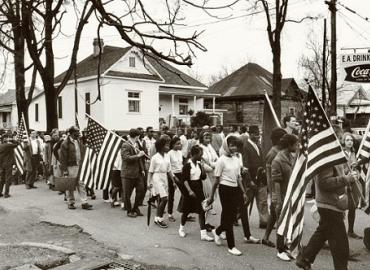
{"x": 87, "y": 103}
{"x": 183, "y": 106}
{"x": 36, "y": 112}
{"x": 239, "y": 112}
{"x": 133, "y": 101}
{"x": 131, "y": 61}
{"x": 208, "y": 103}
{"x": 4, "y": 117}
{"x": 60, "y": 107}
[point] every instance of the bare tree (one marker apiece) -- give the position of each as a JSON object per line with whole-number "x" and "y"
{"x": 311, "y": 63}
{"x": 221, "y": 74}
{"x": 276, "y": 14}
{"x": 12, "y": 41}
{"x": 41, "y": 21}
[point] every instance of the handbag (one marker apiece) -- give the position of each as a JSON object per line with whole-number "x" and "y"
{"x": 65, "y": 183}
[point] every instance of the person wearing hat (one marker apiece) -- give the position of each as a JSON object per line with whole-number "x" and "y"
{"x": 253, "y": 160}
{"x": 71, "y": 153}
{"x": 6, "y": 164}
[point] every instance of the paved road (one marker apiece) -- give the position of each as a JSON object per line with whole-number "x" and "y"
{"x": 154, "y": 245}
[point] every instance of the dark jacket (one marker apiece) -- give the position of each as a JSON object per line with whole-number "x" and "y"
{"x": 132, "y": 165}
{"x": 330, "y": 185}
{"x": 281, "y": 169}
{"x": 7, "y": 155}
{"x": 68, "y": 154}
{"x": 253, "y": 161}
{"x": 269, "y": 158}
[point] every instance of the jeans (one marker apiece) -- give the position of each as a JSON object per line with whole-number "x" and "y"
{"x": 229, "y": 197}
{"x": 331, "y": 227}
{"x": 5, "y": 179}
{"x": 171, "y": 196}
{"x": 129, "y": 184}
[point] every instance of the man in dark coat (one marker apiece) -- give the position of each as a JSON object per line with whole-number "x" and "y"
{"x": 132, "y": 173}
{"x": 253, "y": 160}
{"x": 6, "y": 165}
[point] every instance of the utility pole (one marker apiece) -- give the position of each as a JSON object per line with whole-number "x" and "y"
{"x": 323, "y": 95}
{"x": 333, "y": 84}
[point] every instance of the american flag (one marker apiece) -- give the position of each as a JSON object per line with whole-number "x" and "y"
{"x": 18, "y": 151}
{"x": 102, "y": 147}
{"x": 364, "y": 154}
{"x": 320, "y": 149}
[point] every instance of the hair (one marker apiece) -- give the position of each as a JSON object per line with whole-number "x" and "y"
{"x": 159, "y": 144}
{"x": 232, "y": 140}
{"x": 287, "y": 119}
{"x": 243, "y": 129}
{"x": 140, "y": 129}
{"x": 344, "y": 138}
{"x": 149, "y": 128}
{"x": 213, "y": 129}
{"x": 288, "y": 140}
{"x": 174, "y": 140}
{"x": 276, "y": 135}
{"x": 134, "y": 132}
{"x": 195, "y": 150}
{"x": 202, "y": 135}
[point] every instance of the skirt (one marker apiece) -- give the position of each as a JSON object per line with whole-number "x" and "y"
{"x": 160, "y": 185}
{"x": 189, "y": 204}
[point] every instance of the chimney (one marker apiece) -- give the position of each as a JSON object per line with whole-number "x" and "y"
{"x": 96, "y": 46}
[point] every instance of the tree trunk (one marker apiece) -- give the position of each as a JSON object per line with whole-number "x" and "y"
{"x": 51, "y": 107}
{"x": 19, "y": 72}
{"x": 276, "y": 78}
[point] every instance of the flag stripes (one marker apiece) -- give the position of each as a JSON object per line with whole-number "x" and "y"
{"x": 101, "y": 152}
{"x": 18, "y": 151}
{"x": 320, "y": 149}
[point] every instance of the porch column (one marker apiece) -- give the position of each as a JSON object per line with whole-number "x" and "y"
{"x": 213, "y": 105}
{"x": 195, "y": 104}
{"x": 173, "y": 104}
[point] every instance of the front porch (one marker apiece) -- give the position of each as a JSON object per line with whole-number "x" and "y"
{"x": 177, "y": 106}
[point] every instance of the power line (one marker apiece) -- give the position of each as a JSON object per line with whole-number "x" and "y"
{"x": 354, "y": 12}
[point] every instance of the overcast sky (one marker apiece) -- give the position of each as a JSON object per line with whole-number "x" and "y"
{"x": 242, "y": 39}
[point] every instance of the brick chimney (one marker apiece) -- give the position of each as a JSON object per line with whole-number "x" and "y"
{"x": 96, "y": 46}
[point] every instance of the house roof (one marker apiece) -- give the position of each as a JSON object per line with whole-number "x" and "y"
{"x": 349, "y": 94}
{"x": 250, "y": 79}
{"x": 172, "y": 76}
{"x": 7, "y": 98}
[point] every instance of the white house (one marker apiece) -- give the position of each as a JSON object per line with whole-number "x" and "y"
{"x": 135, "y": 91}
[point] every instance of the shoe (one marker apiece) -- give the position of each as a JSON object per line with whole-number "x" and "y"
{"x": 161, "y": 224}
{"x": 138, "y": 213}
{"x": 354, "y": 236}
{"x": 107, "y": 201}
{"x": 171, "y": 218}
{"x": 182, "y": 233}
{"x": 86, "y": 206}
{"x": 28, "y": 187}
{"x": 93, "y": 197}
{"x": 33, "y": 186}
{"x": 302, "y": 262}
{"x": 235, "y": 251}
{"x": 116, "y": 203}
{"x": 216, "y": 238}
{"x": 59, "y": 192}
{"x": 7, "y": 196}
{"x": 283, "y": 256}
{"x": 71, "y": 207}
{"x": 263, "y": 225}
{"x": 311, "y": 201}
{"x": 1, "y": 195}
{"x": 223, "y": 236}
{"x": 132, "y": 214}
{"x": 268, "y": 243}
{"x": 252, "y": 240}
{"x": 205, "y": 237}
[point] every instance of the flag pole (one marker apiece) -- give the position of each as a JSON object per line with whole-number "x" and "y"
{"x": 272, "y": 109}
{"x": 363, "y": 140}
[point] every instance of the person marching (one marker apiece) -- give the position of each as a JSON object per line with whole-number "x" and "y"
{"x": 159, "y": 172}
{"x": 281, "y": 169}
{"x": 228, "y": 181}
{"x": 176, "y": 160}
{"x": 6, "y": 164}
{"x": 192, "y": 176}
{"x": 353, "y": 200}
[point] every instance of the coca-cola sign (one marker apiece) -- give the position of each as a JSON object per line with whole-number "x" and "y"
{"x": 355, "y": 68}
{"x": 359, "y": 73}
